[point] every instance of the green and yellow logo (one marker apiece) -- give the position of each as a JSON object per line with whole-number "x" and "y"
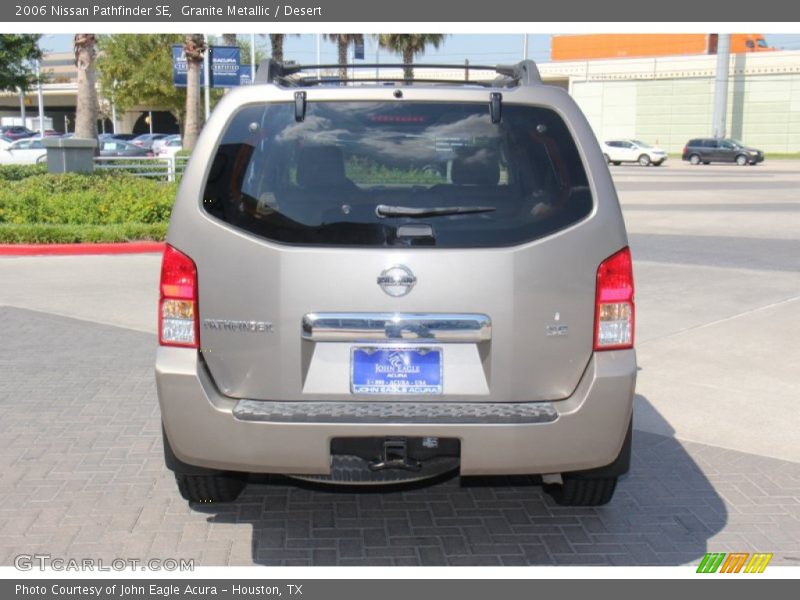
{"x": 734, "y": 562}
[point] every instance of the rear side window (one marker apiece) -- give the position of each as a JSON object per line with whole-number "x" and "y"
{"x": 396, "y": 173}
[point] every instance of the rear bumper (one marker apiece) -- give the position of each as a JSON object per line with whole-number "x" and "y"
{"x": 585, "y": 431}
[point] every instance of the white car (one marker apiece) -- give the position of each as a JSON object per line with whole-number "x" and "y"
{"x": 28, "y": 151}
{"x": 619, "y": 151}
{"x": 161, "y": 142}
{"x": 169, "y": 148}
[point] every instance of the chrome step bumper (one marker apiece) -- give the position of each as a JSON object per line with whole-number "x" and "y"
{"x": 395, "y": 412}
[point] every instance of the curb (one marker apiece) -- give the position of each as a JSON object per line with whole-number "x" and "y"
{"x": 80, "y": 249}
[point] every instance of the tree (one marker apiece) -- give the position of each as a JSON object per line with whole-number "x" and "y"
{"x": 17, "y": 53}
{"x": 409, "y": 46}
{"x": 86, "y": 103}
{"x": 276, "y": 41}
{"x": 343, "y": 41}
{"x": 229, "y": 39}
{"x": 136, "y": 70}
{"x": 194, "y": 48}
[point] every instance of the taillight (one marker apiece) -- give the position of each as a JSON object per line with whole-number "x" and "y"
{"x": 614, "y": 308}
{"x": 685, "y": 148}
{"x": 177, "y": 307}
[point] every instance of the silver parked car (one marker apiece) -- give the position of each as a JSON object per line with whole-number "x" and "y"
{"x": 380, "y": 283}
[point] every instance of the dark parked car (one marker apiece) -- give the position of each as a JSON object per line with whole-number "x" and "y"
{"x": 16, "y": 132}
{"x": 125, "y": 137}
{"x": 707, "y": 150}
{"x": 112, "y": 147}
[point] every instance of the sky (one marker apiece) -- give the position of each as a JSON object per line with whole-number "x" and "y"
{"x": 479, "y": 49}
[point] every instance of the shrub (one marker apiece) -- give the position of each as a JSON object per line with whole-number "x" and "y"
{"x": 85, "y": 199}
{"x": 17, "y": 172}
{"x": 38, "y": 233}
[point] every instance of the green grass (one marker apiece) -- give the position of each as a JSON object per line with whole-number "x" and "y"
{"x": 49, "y": 233}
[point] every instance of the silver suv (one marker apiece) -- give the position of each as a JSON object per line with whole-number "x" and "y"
{"x": 379, "y": 281}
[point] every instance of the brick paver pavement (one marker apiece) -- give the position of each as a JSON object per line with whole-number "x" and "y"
{"x": 82, "y": 475}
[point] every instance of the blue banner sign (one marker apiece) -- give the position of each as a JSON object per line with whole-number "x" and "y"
{"x": 245, "y": 72}
{"x": 225, "y": 66}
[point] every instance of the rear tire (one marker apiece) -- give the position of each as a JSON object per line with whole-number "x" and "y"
{"x": 694, "y": 159}
{"x": 199, "y": 484}
{"x": 616, "y": 163}
{"x": 206, "y": 489}
{"x": 594, "y": 487}
{"x": 584, "y": 492}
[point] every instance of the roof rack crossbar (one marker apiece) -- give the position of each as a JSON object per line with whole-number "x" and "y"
{"x": 522, "y": 73}
{"x": 309, "y": 81}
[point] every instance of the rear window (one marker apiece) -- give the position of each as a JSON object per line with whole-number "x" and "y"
{"x": 386, "y": 174}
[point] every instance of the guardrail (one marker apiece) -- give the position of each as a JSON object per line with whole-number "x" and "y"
{"x": 157, "y": 167}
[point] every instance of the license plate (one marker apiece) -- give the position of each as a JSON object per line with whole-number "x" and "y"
{"x": 396, "y": 370}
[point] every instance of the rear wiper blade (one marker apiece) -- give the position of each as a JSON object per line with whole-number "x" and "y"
{"x": 385, "y": 210}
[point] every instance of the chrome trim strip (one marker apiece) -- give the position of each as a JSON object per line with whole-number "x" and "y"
{"x": 362, "y": 327}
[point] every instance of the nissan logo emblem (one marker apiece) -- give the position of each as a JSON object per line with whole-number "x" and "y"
{"x": 397, "y": 280}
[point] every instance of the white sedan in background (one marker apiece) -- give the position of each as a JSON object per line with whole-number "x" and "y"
{"x": 169, "y": 147}
{"x": 619, "y": 151}
{"x": 28, "y": 151}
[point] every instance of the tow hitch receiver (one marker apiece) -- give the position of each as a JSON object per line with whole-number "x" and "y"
{"x": 395, "y": 456}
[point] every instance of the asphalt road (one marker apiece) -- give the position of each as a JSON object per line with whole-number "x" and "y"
{"x": 716, "y": 452}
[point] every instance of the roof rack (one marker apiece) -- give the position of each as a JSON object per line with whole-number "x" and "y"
{"x": 521, "y": 74}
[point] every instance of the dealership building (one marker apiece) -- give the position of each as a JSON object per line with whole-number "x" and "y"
{"x": 664, "y": 100}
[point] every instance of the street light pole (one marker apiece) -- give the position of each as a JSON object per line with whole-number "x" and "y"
{"x": 41, "y": 98}
{"x": 114, "y": 107}
{"x": 525, "y": 46}
{"x": 207, "y": 73}
{"x": 22, "y": 106}
{"x": 252, "y": 58}
{"x": 721, "y": 86}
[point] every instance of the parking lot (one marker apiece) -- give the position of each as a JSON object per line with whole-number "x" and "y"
{"x": 716, "y": 462}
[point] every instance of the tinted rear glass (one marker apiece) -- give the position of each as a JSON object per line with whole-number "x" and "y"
{"x": 355, "y": 173}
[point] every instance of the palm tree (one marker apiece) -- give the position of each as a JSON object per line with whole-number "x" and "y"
{"x": 276, "y": 41}
{"x": 194, "y": 47}
{"x": 86, "y": 103}
{"x": 343, "y": 41}
{"x": 409, "y": 45}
